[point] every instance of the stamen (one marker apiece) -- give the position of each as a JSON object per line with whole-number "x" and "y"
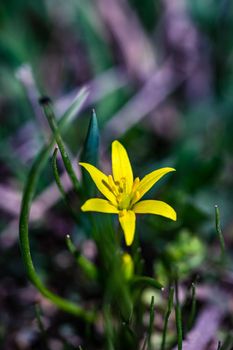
{"x": 110, "y": 181}
{"x": 137, "y": 195}
{"x": 135, "y": 184}
{"x": 107, "y": 185}
{"x": 123, "y": 182}
{"x": 118, "y": 197}
{"x": 112, "y": 184}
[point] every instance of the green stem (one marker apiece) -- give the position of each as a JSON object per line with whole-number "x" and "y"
{"x": 193, "y": 305}
{"x": 85, "y": 264}
{"x": 147, "y": 340}
{"x": 28, "y": 193}
{"x": 151, "y": 323}
{"x": 144, "y": 281}
{"x": 25, "y": 245}
{"x": 167, "y": 315}
{"x": 41, "y": 326}
{"x": 59, "y": 184}
{"x": 219, "y": 231}
{"x": 49, "y": 113}
{"x": 178, "y": 316}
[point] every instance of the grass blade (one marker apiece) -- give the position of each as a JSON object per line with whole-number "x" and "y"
{"x": 86, "y": 265}
{"x": 90, "y": 154}
{"x": 219, "y": 232}
{"x": 28, "y": 193}
{"x": 41, "y": 326}
{"x": 143, "y": 282}
{"x": 151, "y": 323}
{"x": 193, "y": 306}
{"x": 178, "y": 317}
{"x": 167, "y": 315}
{"x": 59, "y": 184}
{"x": 49, "y": 113}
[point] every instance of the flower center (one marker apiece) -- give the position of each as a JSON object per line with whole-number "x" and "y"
{"x": 125, "y": 197}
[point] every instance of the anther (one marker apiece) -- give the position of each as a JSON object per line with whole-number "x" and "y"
{"x": 112, "y": 184}
{"x": 107, "y": 185}
{"x": 135, "y": 184}
{"x": 123, "y": 181}
{"x": 137, "y": 195}
{"x": 118, "y": 197}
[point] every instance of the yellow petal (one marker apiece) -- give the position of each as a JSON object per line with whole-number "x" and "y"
{"x": 99, "y": 205}
{"x": 149, "y": 180}
{"x": 127, "y": 220}
{"x": 155, "y": 207}
{"x": 101, "y": 181}
{"x": 121, "y": 167}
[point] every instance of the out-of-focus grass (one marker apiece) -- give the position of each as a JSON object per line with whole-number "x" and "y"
{"x": 67, "y": 45}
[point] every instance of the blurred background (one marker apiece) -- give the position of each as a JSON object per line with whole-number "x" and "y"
{"x": 160, "y": 77}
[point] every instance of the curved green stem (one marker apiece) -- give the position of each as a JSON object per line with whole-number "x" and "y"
{"x": 59, "y": 184}
{"x": 49, "y": 113}
{"x": 25, "y": 245}
{"x": 29, "y": 190}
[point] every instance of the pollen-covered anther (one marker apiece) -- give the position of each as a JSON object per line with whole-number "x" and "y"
{"x": 112, "y": 184}
{"x": 123, "y": 184}
{"x": 135, "y": 184}
{"x": 118, "y": 197}
{"x": 137, "y": 195}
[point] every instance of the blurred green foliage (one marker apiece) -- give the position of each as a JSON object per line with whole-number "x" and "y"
{"x": 66, "y": 45}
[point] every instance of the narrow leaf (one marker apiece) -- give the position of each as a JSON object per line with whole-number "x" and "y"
{"x": 178, "y": 317}
{"x": 219, "y": 232}
{"x": 49, "y": 113}
{"x": 143, "y": 282}
{"x": 167, "y": 315}
{"x": 90, "y": 154}
{"x": 86, "y": 265}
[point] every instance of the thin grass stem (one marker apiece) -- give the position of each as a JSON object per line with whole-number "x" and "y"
{"x": 49, "y": 113}
{"x": 178, "y": 316}
{"x": 28, "y": 193}
{"x": 41, "y": 325}
{"x": 193, "y": 306}
{"x": 144, "y": 281}
{"x": 59, "y": 184}
{"x": 86, "y": 265}
{"x": 167, "y": 315}
{"x": 151, "y": 323}
{"x": 219, "y": 232}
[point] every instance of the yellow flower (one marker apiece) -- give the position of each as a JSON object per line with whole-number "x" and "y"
{"x": 123, "y": 192}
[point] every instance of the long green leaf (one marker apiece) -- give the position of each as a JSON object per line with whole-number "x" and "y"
{"x": 28, "y": 193}
{"x": 90, "y": 154}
